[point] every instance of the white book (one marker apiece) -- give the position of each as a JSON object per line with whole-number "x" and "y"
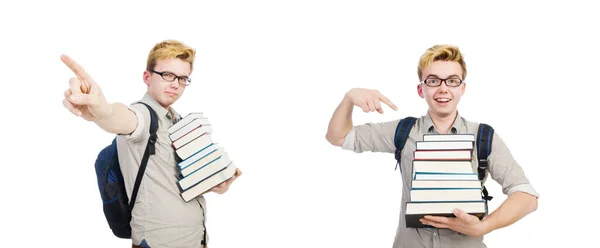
{"x": 188, "y": 128}
{"x": 445, "y": 176}
{"x": 197, "y": 132}
{"x": 442, "y": 166}
{"x": 203, "y": 162}
{"x": 219, "y": 161}
{"x": 448, "y": 184}
{"x": 194, "y": 146}
{"x": 449, "y": 137}
{"x": 443, "y": 155}
{"x": 185, "y": 120}
{"x": 438, "y": 208}
{"x": 202, "y": 153}
{"x": 209, "y": 183}
{"x": 444, "y": 145}
{"x": 436, "y": 195}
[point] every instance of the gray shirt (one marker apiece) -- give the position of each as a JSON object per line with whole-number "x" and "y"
{"x": 160, "y": 216}
{"x": 502, "y": 167}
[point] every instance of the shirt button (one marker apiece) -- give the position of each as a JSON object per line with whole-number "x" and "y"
{"x": 434, "y": 234}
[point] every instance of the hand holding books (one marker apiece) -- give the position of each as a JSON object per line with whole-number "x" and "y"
{"x": 224, "y": 186}
{"x": 205, "y": 166}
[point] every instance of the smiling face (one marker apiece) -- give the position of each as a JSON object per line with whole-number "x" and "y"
{"x": 443, "y": 99}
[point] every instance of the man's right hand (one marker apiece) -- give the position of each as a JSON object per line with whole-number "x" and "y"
{"x": 368, "y": 100}
{"x": 84, "y": 97}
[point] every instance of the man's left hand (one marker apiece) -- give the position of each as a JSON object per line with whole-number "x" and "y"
{"x": 224, "y": 186}
{"x": 463, "y": 223}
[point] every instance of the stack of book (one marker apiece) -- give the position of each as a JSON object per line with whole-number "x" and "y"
{"x": 444, "y": 179}
{"x": 204, "y": 164}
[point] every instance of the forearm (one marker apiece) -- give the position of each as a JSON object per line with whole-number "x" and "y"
{"x": 118, "y": 120}
{"x": 340, "y": 123}
{"x": 515, "y": 207}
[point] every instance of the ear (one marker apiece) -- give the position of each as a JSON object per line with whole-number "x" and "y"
{"x": 464, "y": 85}
{"x": 146, "y": 77}
{"x": 420, "y": 90}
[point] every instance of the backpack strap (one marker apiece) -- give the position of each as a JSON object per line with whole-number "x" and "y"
{"x": 402, "y": 131}
{"x": 150, "y": 150}
{"x": 485, "y": 135}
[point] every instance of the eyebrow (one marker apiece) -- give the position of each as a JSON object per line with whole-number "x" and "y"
{"x": 183, "y": 76}
{"x": 453, "y": 75}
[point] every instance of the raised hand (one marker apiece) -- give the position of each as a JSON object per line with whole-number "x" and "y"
{"x": 369, "y": 100}
{"x": 84, "y": 97}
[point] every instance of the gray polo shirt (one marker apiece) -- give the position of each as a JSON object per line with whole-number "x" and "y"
{"x": 160, "y": 216}
{"x": 502, "y": 167}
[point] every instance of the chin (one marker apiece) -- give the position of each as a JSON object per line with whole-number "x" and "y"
{"x": 166, "y": 102}
{"x": 444, "y": 112}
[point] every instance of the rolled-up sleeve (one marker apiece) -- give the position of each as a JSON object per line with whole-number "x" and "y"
{"x": 349, "y": 140}
{"x": 373, "y": 137}
{"x": 138, "y": 134}
{"x": 505, "y": 170}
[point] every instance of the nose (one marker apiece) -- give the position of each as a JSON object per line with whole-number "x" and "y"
{"x": 443, "y": 88}
{"x": 175, "y": 84}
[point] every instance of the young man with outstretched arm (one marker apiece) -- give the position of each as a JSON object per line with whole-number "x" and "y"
{"x": 160, "y": 218}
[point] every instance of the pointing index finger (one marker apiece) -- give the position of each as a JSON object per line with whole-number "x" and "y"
{"x": 388, "y": 102}
{"x": 79, "y": 72}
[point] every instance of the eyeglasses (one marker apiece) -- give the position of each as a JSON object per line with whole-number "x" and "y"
{"x": 435, "y": 82}
{"x": 169, "y": 76}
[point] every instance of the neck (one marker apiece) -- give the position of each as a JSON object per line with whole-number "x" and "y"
{"x": 156, "y": 99}
{"x": 443, "y": 123}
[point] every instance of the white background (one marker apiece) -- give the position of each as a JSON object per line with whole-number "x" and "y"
{"x": 269, "y": 74}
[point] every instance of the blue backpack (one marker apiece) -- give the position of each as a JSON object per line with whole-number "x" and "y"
{"x": 483, "y": 142}
{"x": 116, "y": 206}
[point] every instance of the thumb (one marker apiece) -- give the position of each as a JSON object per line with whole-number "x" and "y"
{"x": 461, "y": 215}
{"x": 81, "y": 99}
{"x": 85, "y": 86}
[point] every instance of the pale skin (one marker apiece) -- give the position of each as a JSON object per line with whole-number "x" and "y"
{"x": 442, "y": 101}
{"x": 85, "y": 99}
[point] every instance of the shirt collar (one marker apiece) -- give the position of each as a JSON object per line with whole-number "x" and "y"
{"x": 161, "y": 111}
{"x": 458, "y": 126}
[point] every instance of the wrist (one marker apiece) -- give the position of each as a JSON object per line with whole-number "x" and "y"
{"x": 105, "y": 112}
{"x": 488, "y": 225}
{"x": 347, "y": 101}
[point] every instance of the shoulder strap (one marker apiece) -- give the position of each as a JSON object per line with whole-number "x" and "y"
{"x": 150, "y": 150}
{"x": 485, "y": 135}
{"x": 401, "y": 135}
